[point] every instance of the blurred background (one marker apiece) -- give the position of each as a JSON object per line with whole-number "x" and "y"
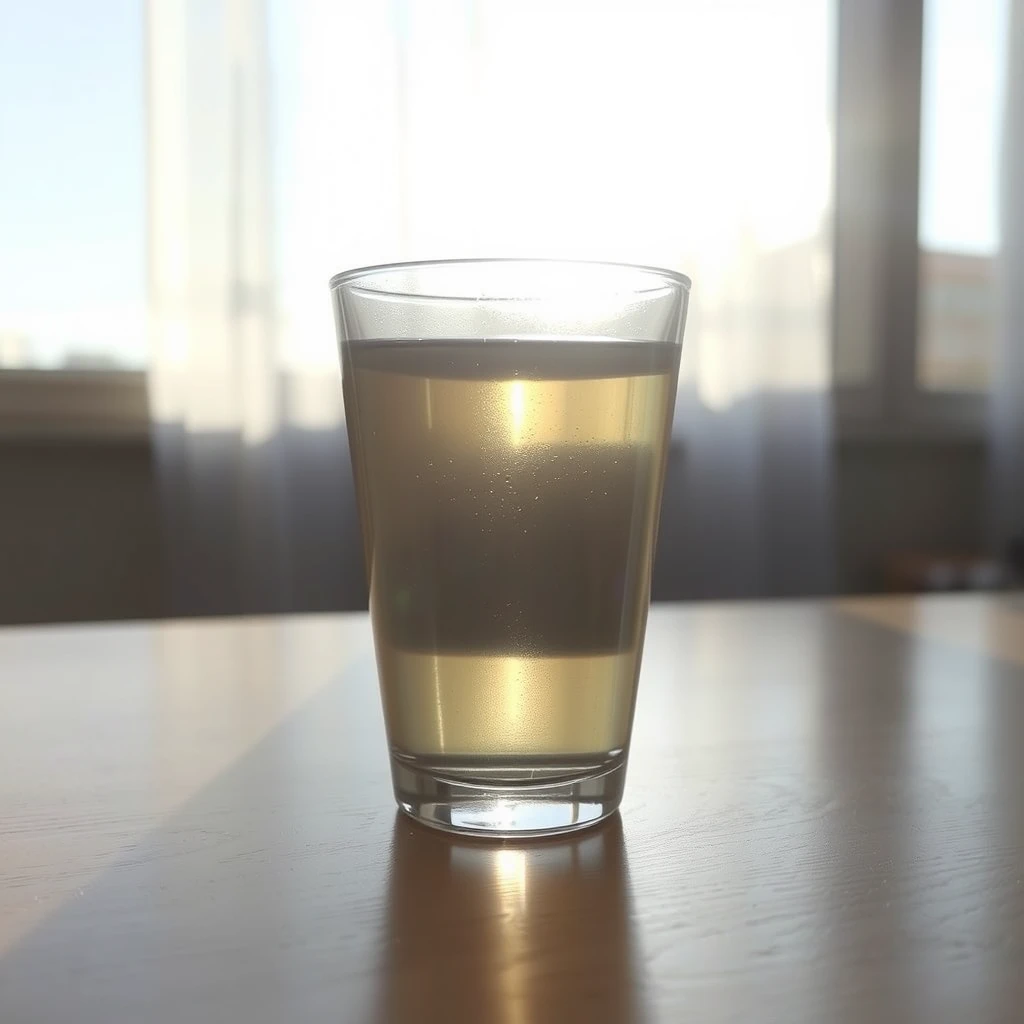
{"x": 843, "y": 180}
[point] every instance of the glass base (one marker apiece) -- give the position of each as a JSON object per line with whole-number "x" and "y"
{"x": 514, "y": 800}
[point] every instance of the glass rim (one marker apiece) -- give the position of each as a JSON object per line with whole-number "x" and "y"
{"x": 356, "y": 274}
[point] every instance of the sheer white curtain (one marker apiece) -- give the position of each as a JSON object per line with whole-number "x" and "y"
{"x": 289, "y": 141}
{"x": 258, "y": 509}
{"x": 1007, "y": 406}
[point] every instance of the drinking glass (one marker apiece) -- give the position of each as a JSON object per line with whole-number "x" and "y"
{"x": 508, "y": 423}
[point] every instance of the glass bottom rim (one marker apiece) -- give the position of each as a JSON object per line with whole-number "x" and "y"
{"x": 505, "y": 809}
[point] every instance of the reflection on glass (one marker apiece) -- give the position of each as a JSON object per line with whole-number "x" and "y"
{"x": 529, "y": 931}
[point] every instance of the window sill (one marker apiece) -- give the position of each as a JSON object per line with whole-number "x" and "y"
{"x": 871, "y": 415}
{"x": 72, "y": 405}
{"x": 105, "y": 406}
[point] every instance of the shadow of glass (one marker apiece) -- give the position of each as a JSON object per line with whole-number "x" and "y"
{"x": 528, "y": 931}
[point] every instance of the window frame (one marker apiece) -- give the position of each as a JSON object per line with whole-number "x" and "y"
{"x": 879, "y": 64}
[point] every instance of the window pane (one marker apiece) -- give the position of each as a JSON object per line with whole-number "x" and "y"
{"x": 964, "y": 58}
{"x": 72, "y": 178}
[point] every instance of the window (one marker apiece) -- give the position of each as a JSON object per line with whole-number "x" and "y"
{"x": 919, "y": 115}
{"x": 918, "y": 130}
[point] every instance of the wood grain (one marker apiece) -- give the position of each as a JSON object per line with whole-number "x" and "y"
{"x": 823, "y": 821}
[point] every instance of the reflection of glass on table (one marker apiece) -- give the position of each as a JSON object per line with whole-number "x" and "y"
{"x": 534, "y": 931}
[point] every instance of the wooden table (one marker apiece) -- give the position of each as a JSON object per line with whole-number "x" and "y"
{"x": 824, "y": 821}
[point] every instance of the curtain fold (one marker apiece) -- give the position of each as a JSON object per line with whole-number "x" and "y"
{"x": 250, "y": 457}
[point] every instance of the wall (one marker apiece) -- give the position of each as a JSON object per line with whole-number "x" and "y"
{"x": 80, "y": 532}
{"x": 912, "y": 495}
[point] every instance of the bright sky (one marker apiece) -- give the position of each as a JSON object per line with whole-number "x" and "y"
{"x": 72, "y": 182}
{"x": 961, "y": 108}
{"x": 72, "y": 160}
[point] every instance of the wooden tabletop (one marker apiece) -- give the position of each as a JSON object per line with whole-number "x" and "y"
{"x": 824, "y": 821}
